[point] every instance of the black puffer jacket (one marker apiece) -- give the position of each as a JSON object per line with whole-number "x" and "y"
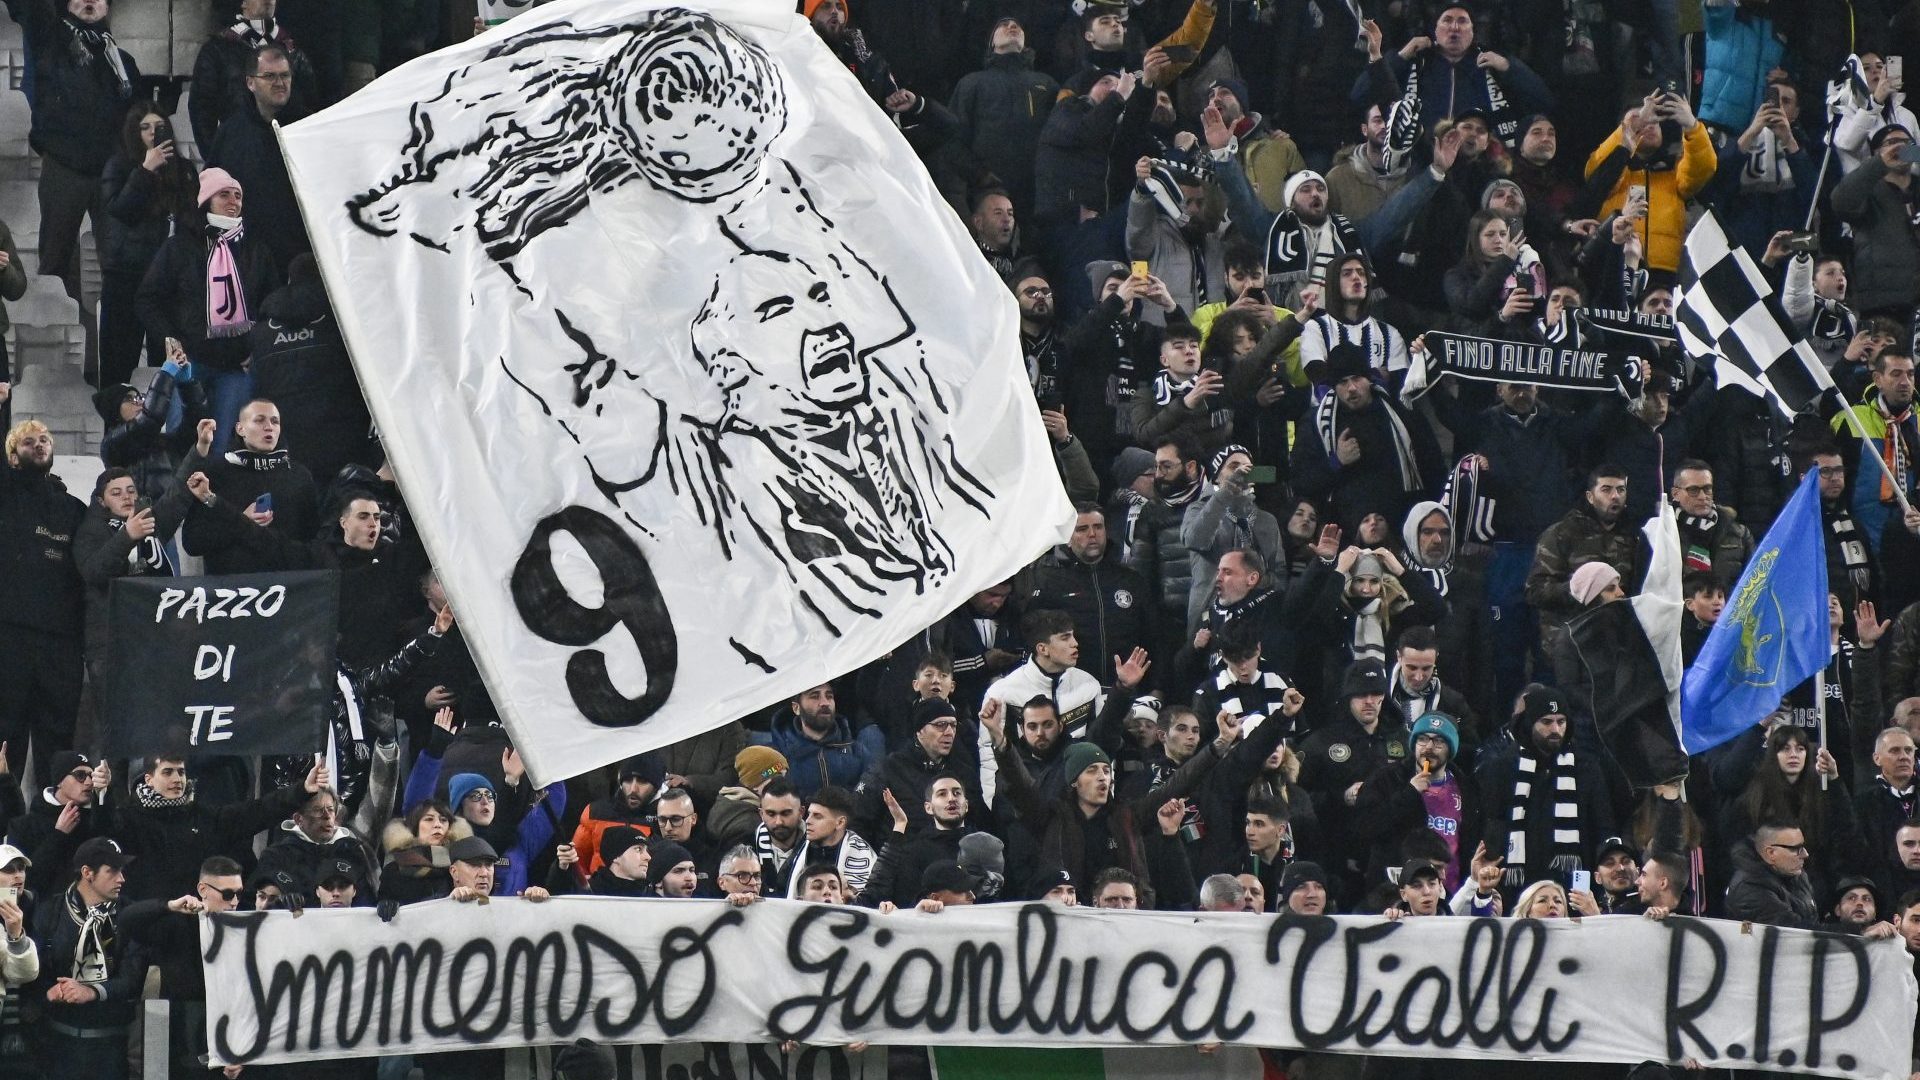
{"x": 1757, "y": 894}
{"x": 140, "y": 210}
{"x": 77, "y": 99}
{"x": 1159, "y": 556}
{"x": 1002, "y": 108}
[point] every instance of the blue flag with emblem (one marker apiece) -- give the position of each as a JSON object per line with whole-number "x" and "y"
{"x": 1771, "y": 636}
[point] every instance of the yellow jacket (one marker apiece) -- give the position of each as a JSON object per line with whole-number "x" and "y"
{"x": 1664, "y": 231}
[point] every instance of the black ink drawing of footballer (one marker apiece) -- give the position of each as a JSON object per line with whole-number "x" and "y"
{"x": 808, "y": 427}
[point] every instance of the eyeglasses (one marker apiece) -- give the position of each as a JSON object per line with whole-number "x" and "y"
{"x": 482, "y": 794}
{"x": 1698, "y": 489}
{"x": 674, "y": 821}
{"x": 228, "y": 895}
{"x": 273, "y": 76}
{"x": 1835, "y": 472}
{"x": 1035, "y": 292}
{"x": 1797, "y": 849}
{"x": 745, "y": 876}
{"x": 82, "y": 775}
{"x": 944, "y": 725}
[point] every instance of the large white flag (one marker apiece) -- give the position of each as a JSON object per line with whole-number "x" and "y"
{"x": 698, "y": 392}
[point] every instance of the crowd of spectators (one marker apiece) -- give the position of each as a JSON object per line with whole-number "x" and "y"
{"x": 1306, "y": 649}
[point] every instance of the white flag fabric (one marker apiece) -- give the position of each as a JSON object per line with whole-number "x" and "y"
{"x": 698, "y": 392}
{"x": 1658, "y": 604}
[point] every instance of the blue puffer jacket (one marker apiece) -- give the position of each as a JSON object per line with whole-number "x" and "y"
{"x": 840, "y": 759}
{"x": 1741, "y": 49}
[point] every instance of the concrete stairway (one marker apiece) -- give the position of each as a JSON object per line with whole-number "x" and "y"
{"x": 47, "y": 340}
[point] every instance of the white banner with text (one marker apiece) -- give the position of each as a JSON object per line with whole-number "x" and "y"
{"x": 446, "y": 976}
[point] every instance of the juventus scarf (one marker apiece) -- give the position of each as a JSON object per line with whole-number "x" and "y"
{"x": 1559, "y": 795}
{"x": 147, "y": 556}
{"x": 259, "y": 461}
{"x": 1294, "y": 255}
{"x": 1497, "y": 360}
{"x": 1253, "y": 701}
{"x": 1845, "y": 538}
{"x": 1832, "y": 321}
{"x": 1166, "y": 392}
{"x": 1406, "y": 111}
{"x": 1470, "y": 510}
{"x": 1765, "y": 169}
{"x": 1631, "y": 323}
{"x": 776, "y": 865}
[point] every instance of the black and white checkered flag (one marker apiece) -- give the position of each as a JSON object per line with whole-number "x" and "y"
{"x": 1728, "y": 316}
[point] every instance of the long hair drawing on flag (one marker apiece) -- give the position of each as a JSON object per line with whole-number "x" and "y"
{"x": 810, "y": 425}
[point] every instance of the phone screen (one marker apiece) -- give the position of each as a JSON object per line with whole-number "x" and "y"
{"x": 1263, "y": 474}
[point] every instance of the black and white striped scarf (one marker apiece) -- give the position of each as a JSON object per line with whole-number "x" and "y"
{"x": 1504, "y": 125}
{"x": 93, "y": 947}
{"x": 1166, "y": 391}
{"x": 93, "y": 41}
{"x": 1326, "y": 422}
{"x": 1253, "y": 701}
{"x": 1563, "y": 798}
{"x": 254, "y": 33}
{"x": 1413, "y": 705}
{"x": 776, "y": 867}
{"x": 1470, "y": 510}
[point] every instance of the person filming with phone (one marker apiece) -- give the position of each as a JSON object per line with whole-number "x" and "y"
{"x": 1877, "y": 201}
{"x": 1661, "y": 150}
{"x": 1767, "y": 173}
{"x": 146, "y": 186}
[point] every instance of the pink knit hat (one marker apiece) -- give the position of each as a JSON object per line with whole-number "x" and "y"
{"x": 214, "y": 181}
{"x": 1590, "y": 580}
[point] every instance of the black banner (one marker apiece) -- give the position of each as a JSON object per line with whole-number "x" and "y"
{"x": 1495, "y": 360}
{"x": 220, "y": 665}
